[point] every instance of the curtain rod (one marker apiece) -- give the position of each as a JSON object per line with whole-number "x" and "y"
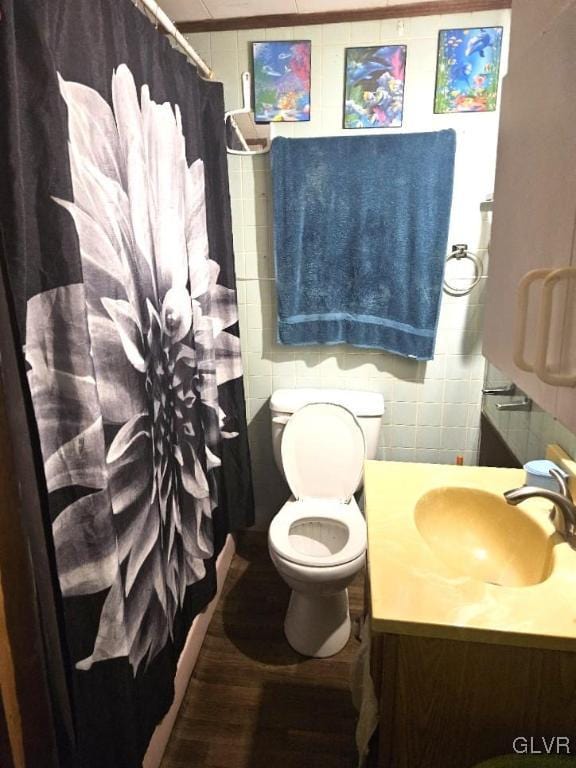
{"x": 162, "y": 18}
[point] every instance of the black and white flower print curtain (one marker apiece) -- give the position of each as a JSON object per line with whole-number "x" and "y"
{"x": 116, "y": 236}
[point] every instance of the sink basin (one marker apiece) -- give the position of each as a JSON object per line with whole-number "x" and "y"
{"x": 477, "y": 534}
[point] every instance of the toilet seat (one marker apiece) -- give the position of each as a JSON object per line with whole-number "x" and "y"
{"x": 323, "y": 452}
{"x": 337, "y": 517}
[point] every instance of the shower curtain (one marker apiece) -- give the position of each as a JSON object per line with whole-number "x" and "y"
{"x": 116, "y": 242}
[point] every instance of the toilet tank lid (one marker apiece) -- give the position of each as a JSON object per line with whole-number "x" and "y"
{"x": 360, "y": 403}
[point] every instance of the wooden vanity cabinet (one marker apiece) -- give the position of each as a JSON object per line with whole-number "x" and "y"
{"x": 534, "y": 219}
{"x": 454, "y": 703}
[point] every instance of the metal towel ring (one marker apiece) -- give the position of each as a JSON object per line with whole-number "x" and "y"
{"x": 461, "y": 252}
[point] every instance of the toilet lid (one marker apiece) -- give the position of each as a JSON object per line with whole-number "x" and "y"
{"x": 323, "y": 452}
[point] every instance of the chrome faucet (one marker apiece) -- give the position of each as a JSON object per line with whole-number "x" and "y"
{"x": 564, "y": 513}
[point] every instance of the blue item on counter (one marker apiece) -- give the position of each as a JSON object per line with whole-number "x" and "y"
{"x": 538, "y": 474}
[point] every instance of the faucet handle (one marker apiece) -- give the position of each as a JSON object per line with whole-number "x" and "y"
{"x": 508, "y": 389}
{"x": 560, "y": 478}
{"x": 516, "y": 405}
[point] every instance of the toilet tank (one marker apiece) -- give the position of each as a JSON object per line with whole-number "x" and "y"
{"x": 368, "y": 407}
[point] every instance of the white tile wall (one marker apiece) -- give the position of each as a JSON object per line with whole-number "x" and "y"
{"x": 432, "y": 409}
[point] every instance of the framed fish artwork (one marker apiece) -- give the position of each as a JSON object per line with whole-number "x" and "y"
{"x": 281, "y": 81}
{"x": 467, "y": 70}
{"x": 374, "y": 86}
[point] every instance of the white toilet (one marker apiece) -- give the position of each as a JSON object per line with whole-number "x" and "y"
{"x": 317, "y": 541}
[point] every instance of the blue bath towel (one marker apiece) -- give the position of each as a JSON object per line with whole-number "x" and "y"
{"x": 360, "y": 235}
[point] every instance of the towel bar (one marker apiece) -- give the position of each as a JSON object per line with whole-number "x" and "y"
{"x": 459, "y": 252}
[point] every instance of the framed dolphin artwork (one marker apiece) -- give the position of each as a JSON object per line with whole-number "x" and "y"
{"x": 282, "y": 81}
{"x": 374, "y": 86}
{"x": 467, "y": 69}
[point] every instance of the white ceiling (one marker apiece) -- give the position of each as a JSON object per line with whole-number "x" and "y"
{"x": 200, "y": 10}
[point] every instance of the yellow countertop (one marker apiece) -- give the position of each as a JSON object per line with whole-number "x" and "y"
{"x": 413, "y": 592}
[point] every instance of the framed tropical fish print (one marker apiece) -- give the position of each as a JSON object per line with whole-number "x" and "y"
{"x": 374, "y": 89}
{"x": 281, "y": 81}
{"x": 467, "y": 69}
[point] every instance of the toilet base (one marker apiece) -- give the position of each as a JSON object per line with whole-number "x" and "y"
{"x": 317, "y": 625}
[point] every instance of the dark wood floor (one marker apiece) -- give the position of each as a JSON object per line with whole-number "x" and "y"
{"x": 253, "y": 702}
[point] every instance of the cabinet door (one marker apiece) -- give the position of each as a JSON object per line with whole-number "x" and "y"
{"x": 566, "y": 404}
{"x": 534, "y": 199}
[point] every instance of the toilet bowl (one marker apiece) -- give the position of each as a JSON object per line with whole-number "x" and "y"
{"x": 317, "y": 540}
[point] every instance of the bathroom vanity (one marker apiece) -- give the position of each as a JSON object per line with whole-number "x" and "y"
{"x": 473, "y": 616}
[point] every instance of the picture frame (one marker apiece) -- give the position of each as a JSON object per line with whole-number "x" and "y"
{"x": 374, "y": 83}
{"x": 281, "y": 77}
{"x": 467, "y": 69}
